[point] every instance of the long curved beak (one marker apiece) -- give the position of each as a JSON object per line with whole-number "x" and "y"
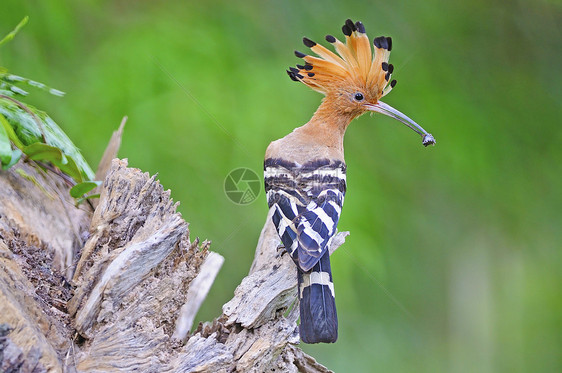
{"x": 381, "y": 107}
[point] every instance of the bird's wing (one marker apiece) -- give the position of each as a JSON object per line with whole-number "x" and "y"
{"x": 287, "y": 210}
{"x": 307, "y": 200}
{"x": 316, "y": 226}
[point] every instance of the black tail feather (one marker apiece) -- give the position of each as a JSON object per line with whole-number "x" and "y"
{"x": 319, "y": 321}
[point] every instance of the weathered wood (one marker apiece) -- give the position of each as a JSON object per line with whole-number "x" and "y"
{"x": 198, "y": 290}
{"x": 137, "y": 285}
{"x": 23, "y": 327}
{"x": 133, "y": 276}
{"x": 258, "y": 327}
{"x": 40, "y": 231}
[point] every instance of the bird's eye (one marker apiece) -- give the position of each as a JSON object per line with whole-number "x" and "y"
{"x": 358, "y": 97}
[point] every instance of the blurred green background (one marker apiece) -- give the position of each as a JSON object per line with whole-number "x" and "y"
{"x": 454, "y": 260}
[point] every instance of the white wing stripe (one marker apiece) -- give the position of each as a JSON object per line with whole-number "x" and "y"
{"x": 328, "y": 222}
{"x": 311, "y": 232}
{"x": 282, "y": 225}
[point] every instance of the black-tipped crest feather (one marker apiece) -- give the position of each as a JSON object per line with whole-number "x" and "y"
{"x": 355, "y": 64}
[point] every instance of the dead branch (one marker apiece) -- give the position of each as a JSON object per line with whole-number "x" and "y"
{"x": 136, "y": 287}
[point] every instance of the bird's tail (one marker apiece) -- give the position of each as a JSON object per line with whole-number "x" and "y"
{"x": 319, "y": 321}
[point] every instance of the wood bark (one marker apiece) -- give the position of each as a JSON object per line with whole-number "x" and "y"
{"x": 117, "y": 290}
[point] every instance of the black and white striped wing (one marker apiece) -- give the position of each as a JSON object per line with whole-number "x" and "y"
{"x": 285, "y": 217}
{"x": 307, "y": 205}
{"x": 316, "y": 226}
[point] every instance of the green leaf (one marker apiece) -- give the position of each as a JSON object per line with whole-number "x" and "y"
{"x": 8, "y": 157}
{"x": 72, "y": 170}
{"x": 56, "y": 136}
{"x": 30, "y": 129}
{"x": 11, "y": 35}
{"x": 43, "y": 152}
{"x": 5, "y": 147}
{"x": 16, "y": 155}
{"x": 10, "y": 131}
{"x": 12, "y": 79}
{"x": 47, "y": 153}
{"x": 12, "y": 160}
{"x": 21, "y": 121}
{"x": 80, "y": 189}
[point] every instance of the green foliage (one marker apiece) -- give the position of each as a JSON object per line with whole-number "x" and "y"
{"x": 81, "y": 189}
{"x": 13, "y": 33}
{"x": 32, "y": 133}
{"x": 8, "y": 156}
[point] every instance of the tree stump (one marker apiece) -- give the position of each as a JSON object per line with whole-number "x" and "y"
{"x": 117, "y": 290}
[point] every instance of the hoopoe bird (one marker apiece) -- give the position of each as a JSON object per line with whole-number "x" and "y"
{"x": 305, "y": 171}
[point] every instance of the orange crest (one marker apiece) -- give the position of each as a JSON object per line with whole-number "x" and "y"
{"x": 354, "y": 64}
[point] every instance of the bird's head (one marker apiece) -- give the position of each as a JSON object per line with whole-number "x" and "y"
{"x": 354, "y": 79}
